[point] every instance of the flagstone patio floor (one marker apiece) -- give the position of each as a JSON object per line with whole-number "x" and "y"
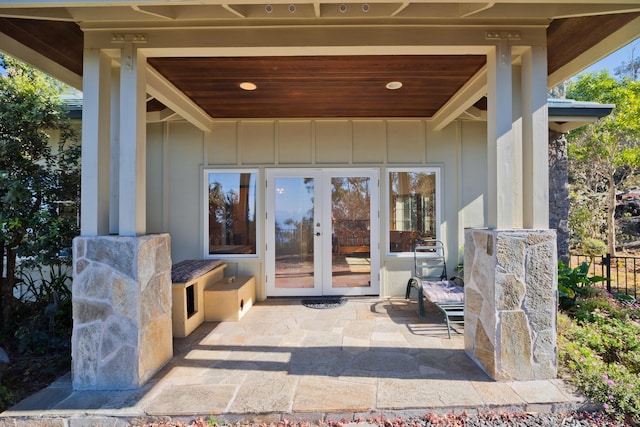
{"x": 282, "y": 360}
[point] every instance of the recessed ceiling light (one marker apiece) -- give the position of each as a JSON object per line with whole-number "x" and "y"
{"x": 268, "y": 8}
{"x": 248, "y": 86}
{"x": 342, "y": 7}
{"x": 292, "y": 8}
{"x": 394, "y": 85}
{"x": 365, "y": 7}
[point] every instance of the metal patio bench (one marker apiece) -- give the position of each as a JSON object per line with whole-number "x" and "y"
{"x": 430, "y": 279}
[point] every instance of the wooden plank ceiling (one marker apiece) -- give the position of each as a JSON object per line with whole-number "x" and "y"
{"x": 317, "y": 86}
{"x": 320, "y": 86}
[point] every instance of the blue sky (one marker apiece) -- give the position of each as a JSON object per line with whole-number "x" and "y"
{"x": 616, "y": 58}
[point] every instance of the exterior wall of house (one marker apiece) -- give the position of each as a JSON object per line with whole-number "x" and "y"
{"x": 178, "y": 152}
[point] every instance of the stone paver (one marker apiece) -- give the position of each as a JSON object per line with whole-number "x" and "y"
{"x": 326, "y": 394}
{"x": 283, "y": 360}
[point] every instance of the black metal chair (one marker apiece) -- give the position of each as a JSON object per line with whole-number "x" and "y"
{"x": 430, "y": 272}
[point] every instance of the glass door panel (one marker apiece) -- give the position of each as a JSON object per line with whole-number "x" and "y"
{"x": 352, "y": 260}
{"x": 351, "y": 242}
{"x": 322, "y": 232}
{"x": 294, "y": 246}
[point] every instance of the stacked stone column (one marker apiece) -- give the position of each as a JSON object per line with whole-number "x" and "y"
{"x": 121, "y": 310}
{"x": 511, "y": 302}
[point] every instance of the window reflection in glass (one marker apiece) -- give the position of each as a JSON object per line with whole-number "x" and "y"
{"x": 232, "y": 213}
{"x": 412, "y": 208}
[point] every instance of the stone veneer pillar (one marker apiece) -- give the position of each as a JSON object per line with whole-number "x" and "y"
{"x": 121, "y": 310}
{"x": 511, "y": 302}
{"x": 559, "y": 192}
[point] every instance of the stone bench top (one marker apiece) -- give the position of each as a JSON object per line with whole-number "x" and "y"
{"x": 189, "y": 269}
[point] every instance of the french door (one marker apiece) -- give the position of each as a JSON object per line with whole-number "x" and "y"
{"x": 322, "y": 232}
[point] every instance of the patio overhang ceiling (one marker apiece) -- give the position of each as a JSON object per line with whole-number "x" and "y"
{"x": 315, "y": 59}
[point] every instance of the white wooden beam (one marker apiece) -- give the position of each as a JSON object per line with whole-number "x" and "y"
{"x": 163, "y": 12}
{"x": 474, "y": 113}
{"x": 95, "y": 144}
{"x": 161, "y": 116}
{"x": 474, "y": 89}
{"x": 168, "y": 41}
{"x": 500, "y": 140}
{"x": 133, "y": 189}
{"x": 164, "y": 91}
{"x": 37, "y": 60}
{"x": 535, "y": 139}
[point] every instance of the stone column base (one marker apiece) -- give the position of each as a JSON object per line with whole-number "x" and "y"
{"x": 121, "y": 310}
{"x": 511, "y": 302}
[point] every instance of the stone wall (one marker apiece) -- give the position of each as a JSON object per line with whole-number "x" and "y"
{"x": 559, "y": 192}
{"x": 511, "y": 303}
{"x": 121, "y": 310}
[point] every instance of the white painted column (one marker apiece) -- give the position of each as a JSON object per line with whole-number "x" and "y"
{"x": 95, "y": 143}
{"x": 516, "y": 130}
{"x": 535, "y": 138}
{"x": 500, "y": 138}
{"x": 114, "y": 194}
{"x": 132, "y": 208}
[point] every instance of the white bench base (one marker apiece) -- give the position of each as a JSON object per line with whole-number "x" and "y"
{"x": 229, "y": 300}
{"x": 182, "y": 321}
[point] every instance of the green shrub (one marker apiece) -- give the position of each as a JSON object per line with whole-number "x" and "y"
{"x": 601, "y": 356}
{"x": 586, "y": 309}
{"x": 575, "y": 283}
{"x": 594, "y": 247}
{"x": 7, "y": 397}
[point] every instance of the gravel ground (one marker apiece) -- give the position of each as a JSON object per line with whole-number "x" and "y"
{"x": 574, "y": 419}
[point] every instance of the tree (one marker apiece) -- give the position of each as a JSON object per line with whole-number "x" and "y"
{"x": 603, "y": 155}
{"x": 630, "y": 69}
{"x": 39, "y": 174}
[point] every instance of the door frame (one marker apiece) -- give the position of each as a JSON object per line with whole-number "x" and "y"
{"x": 323, "y": 246}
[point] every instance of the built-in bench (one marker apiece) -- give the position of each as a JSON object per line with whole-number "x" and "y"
{"x": 229, "y": 299}
{"x": 200, "y": 293}
{"x": 189, "y": 279}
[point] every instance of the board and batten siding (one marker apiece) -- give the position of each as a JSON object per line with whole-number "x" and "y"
{"x": 178, "y": 152}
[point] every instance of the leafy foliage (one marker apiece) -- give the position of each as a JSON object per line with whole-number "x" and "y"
{"x": 39, "y": 175}
{"x": 631, "y": 68}
{"x": 603, "y": 155}
{"x": 599, "y": 342}
{"x": 574, "y": 283}
{"x": 601, "y": 357}
{"x": 594, "y": 247}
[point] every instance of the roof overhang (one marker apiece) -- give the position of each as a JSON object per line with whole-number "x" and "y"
{"x": 371, "y": 43}
{"x": 566, "y": 115}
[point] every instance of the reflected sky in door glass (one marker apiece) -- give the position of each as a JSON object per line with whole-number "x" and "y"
{"x": 294, "y": 198}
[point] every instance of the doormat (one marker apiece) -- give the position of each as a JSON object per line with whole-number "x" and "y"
{"x": 324, "y": 302}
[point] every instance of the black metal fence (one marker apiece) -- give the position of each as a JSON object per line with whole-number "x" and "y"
{"x": 623, "y": 272}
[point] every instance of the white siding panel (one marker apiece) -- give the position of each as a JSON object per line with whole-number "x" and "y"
{"x": 257, "y": 142}
{"x": 442, "y": 149}
{"x": 185, "y": 191}
{"x": 222, "y": 147}
{"x": 369, "y": 141}
{"x": 405, "y": 141}
{"x": 474, "y": 174}
{"x": 294, "y": 142}
{"x": 155, "y": 178}
{"x": 333, "y": 141}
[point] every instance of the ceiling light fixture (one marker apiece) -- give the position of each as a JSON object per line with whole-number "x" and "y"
{"x": 365, "y": 7}
{"x": 342, "y": 7}
{"x": 292, "y": 8}
{"x": 248, "y": 86}
{"x": 268, "y": 8}
{"x": 394, "y": 85}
